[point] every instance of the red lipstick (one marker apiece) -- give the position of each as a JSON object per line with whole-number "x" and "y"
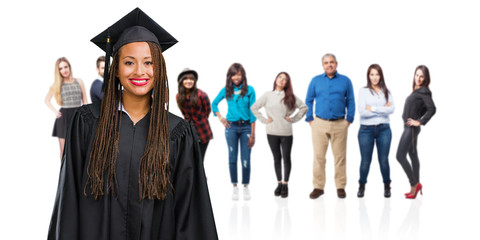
{"x": 139, "y": 81}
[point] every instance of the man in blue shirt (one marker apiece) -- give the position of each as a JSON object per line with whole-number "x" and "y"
{"x": 334, "y": 112}
{"x": 96, "y": 93}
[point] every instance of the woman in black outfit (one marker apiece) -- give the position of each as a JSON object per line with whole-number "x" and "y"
{"x": 418, "y": 110}
{"x": 131, "y": 169}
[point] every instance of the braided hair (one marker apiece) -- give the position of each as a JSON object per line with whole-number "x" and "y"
{"x": 154, "y": 171}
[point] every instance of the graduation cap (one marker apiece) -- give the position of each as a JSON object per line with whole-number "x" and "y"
{"x": 136, "y": 26}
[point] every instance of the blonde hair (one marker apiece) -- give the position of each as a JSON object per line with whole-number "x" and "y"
{"x": 57, "y": 84}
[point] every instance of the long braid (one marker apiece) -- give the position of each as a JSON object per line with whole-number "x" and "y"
{"x": 154, "y": 172}
{"x": 103, "y": 157}
{"x": 154, "y": 169}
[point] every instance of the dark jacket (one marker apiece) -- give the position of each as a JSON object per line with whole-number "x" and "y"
{"x": 419, "y": 106}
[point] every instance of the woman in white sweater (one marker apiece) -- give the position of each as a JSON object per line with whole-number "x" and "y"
{"x": 280, "y": 104}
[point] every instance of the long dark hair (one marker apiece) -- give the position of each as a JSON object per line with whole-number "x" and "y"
{"x": 381, "y": 82}
{"x": 289, "y": 99}
{"x": 232, "y": 70}
{"x": 154, "y": 170}
{"x": 426, "y": 77}
{"x": 192, "y": 93}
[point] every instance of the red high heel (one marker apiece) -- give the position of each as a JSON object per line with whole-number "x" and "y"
{"x": 418, "y": 188}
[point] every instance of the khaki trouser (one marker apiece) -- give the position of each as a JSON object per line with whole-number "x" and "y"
{"x": 324, "y": 131}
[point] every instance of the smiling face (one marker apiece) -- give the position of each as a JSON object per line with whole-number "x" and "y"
{"x": 135, "y": 69}
{"x": 64, "y": 70}
{"x": 329, "y": 65}
{"x": 419, "y": 78}
{"x": 374, "y": 77}
{"x": 237, "y": 79}
{"x": 188, "y": 83}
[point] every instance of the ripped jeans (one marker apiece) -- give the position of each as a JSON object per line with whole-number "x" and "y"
{"x": 238, "y": 133}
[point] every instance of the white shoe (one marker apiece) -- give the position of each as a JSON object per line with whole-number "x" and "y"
{"x": 246, "y": 194}
{"x": 235, "y": 193}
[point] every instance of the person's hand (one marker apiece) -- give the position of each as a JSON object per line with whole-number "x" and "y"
{"x": 251, "y": 141}
{"x": 58, "y": 114}
{"x": 225, "y": 122}
{"x": 269, "y": 120}
{"x": 412, "y": 122}
{"x": 348, "y": 123}
{"x": 310, "y": 123}
{"x": 388, "y": 104}
{"x": 368, "y": 108}
{"x": 288, "y": 119}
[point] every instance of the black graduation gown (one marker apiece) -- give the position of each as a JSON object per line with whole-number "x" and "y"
{"x": 186, "y": 213}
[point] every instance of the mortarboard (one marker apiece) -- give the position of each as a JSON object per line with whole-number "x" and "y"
{"x": 136, "y": 26}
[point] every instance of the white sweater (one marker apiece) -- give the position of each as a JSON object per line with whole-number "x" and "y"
{"x": 272, "y": 101}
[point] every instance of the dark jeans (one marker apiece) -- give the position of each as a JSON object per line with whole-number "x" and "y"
{"x": 368, "y": 136}
{"x": 238, "y": 133}
{"x": 203, "y": 149}
{"x": 281, "y": 145}
{"x": 408, "y": 144}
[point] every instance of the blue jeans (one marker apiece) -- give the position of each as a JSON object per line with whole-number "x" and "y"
{"x": 235, "y": 134}
{"x": 367, "y": 137}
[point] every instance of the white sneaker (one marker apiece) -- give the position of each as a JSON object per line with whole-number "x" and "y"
{"x": 246, "y": 194}
{"x": 235, "y": 193}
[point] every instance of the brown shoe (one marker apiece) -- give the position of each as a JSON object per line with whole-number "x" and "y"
{"x": 316, "y": 193}
{"x": 341, "y": 193}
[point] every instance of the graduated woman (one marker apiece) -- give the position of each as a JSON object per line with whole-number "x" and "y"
{"x": 132, "y": 170}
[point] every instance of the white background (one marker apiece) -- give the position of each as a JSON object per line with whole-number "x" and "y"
{"x": 266, "y": 37}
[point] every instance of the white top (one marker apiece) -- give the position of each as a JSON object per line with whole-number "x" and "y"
{"x": 272, "y": 101}
{"x": 379, "y": 113}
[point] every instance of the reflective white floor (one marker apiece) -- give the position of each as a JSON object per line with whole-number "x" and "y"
{"x": 447, "y": 210}
{"x": 326, "y": 217}
{"x": 373, "y": 217}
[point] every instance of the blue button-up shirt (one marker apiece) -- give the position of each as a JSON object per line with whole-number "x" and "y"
{"x": 238, "y": 107}
{"x": 331, "y": 96}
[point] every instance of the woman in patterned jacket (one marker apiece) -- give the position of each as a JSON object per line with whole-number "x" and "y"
{"x": 195, "y": 107}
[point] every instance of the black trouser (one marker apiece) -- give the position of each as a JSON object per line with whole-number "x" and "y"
{"x": 281, "y": 145}
{"x": 203, "y": 149}
{"x": 408, "y": 144}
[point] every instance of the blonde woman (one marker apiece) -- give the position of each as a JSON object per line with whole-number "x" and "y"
{"x": 69, "y": 93}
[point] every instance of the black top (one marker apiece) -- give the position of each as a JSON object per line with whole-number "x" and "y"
{"x": 419, "y": 106}
{"x": 96, "y": 93}
{"x": 186, "y": 213}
